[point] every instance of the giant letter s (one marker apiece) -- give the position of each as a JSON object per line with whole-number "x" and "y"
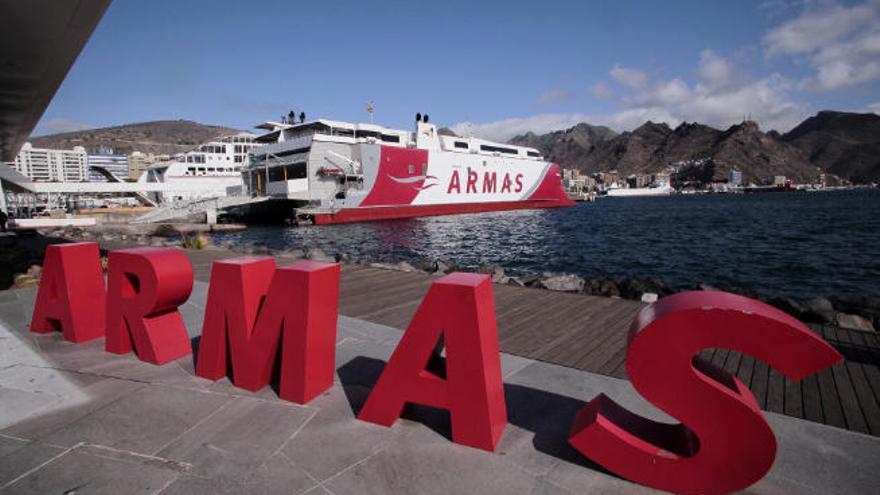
{"x": 725, "y": 444}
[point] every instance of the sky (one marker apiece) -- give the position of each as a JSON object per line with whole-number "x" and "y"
{"x": 488, "y": 69}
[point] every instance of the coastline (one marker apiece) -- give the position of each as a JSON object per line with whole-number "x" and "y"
{"x": 22, "y": 256}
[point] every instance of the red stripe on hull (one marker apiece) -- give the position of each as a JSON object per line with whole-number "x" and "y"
{"x": 369, "y": 214}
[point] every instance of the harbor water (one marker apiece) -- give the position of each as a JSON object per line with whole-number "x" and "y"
{"x": 793, "y": 244}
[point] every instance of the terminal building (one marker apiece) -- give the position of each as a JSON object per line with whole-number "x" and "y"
{"x": 105, "y": 158}
{"x": 45, "y": 165}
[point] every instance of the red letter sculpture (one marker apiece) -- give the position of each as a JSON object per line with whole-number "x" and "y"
{"x": 144, "y": 288}
{"x": 725, "y": 444}
{"x": 461, "y": 306}
{"x": 253, "y": 306}
{"x": 71, "y": 296}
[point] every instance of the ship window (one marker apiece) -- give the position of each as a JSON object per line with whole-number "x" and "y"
{"x": 366, "y": 134}
{"x": 461, "y": 145}
{"x": 390, "y": 138}
{"x": 211, "y": 169}
{"x": 498, "y": 149}
{"x": 338, "y": 131}
{"x": 239, "y": 159}
{"x": 534, "y": 154}
{"x": 411, "y": 169}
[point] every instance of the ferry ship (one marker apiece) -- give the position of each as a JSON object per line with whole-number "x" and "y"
{"x": 326, "y": 172}
{"x": 211, "y": 170}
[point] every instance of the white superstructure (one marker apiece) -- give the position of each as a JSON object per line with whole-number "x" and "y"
{"x": 208, "y": 171}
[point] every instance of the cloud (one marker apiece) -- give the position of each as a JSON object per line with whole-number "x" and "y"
{"x": 59, "y": 125}
{"x": 502, "y": 130}
{"x": 555, "y": 96}
{"x": 874, "y": 107}
{"x": 840, "y": 43}
{"x": 600, "y": 91}
{"x": 631, "y": 78}
{"x": 721, "y": 97}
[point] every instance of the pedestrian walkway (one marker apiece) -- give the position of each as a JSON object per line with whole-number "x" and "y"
{"x": 76, "y": 419}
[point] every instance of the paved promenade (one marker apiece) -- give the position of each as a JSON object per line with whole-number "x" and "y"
{"x": 74, "y": 419}
{"x": 589, "y": 333}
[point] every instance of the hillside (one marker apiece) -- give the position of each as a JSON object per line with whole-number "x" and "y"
{"x": 846, "y": 144}
{"x": 160, "y": 137}
{"x": 569, "y": 146}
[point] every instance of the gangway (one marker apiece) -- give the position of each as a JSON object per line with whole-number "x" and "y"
{"x": 185, "y": 208}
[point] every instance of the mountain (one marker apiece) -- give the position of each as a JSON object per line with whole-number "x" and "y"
{"x": 653, "y": 147}
{"x": 567, "y": 147}
{"x": 845, "y": 144}
{"x": 160, "y": 137}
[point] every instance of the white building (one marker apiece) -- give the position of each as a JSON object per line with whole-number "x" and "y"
{"x": 44, "y": 165}
{"x": 105, "y": 158}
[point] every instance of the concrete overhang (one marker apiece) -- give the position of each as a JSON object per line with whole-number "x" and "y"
{"x": 39, "y": 41}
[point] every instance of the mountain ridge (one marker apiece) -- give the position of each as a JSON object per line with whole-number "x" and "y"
{"x": 841, "y": 143}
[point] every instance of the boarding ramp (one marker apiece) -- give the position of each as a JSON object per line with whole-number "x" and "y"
{"x": 181, "y": 209}
{"x": 111, "y": 177}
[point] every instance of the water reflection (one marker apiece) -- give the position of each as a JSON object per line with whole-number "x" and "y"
{"x": 799, "y": 244}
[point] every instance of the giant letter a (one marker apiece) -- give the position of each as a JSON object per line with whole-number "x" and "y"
{"x": 71, "y": 297}
{"x": 460, "y": 306}
{"x": 252, "y": 306}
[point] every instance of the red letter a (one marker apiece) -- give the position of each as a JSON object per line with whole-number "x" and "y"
{"x": 71, "y": 297}
{"x": 462, "y": 307}
{"x": 725, "y": 444}
{"x": 252, "y": 307}
{"x": 144, "y": 288}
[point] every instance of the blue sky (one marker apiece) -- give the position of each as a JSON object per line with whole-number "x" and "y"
{"x": 486, "y": 68}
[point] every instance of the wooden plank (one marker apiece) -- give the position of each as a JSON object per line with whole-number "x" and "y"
{"x": 864, "y": 394}
{"x": 812, "y": 399}
{"x": 831, "y": 409}
{"x": 776, "y": 392}
{"x": 856, "y": 397}
{"x": 794, "y": 404}
{"x": 760, "y": 378}
{"x": 744, "y": 372}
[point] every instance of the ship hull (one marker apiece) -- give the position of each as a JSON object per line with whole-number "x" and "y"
{"x": 372, "y": 214}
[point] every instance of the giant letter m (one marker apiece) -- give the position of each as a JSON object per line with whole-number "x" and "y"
{"x": 254, "y": 310}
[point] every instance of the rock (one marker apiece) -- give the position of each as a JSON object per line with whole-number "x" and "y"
{"x": 298, "y": 254}
{"x": 315, "y": 254}
{"x": 429, "y": 266}
{"x": 601, "y": 286}
{"x": 343, "y": 258}
{"x": 402, "y": 266}
{"x": 35, "y": 271}
{"x": 788, "y": 305}
{"x": 634, "y": 287}
{"x": 444, "y": 266}
{"x": 707, "y": 287}
{"x": 563, "y": 283}
{"x": 22, "y": 281}
{"x": 867, "y": 307}
{"x": 515, "y": 281}
{"x": 818, "y": 310}
{"x": 166, "y": 230}
{"x": 649, "y": 297}
{"x": 854, "y": 322}
{"x": 530, "y": 280}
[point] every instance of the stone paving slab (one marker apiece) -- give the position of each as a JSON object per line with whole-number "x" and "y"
{"x": 73, "y": 417}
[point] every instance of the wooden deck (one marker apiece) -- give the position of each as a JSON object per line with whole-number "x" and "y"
{"x": 589, "y": 333}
